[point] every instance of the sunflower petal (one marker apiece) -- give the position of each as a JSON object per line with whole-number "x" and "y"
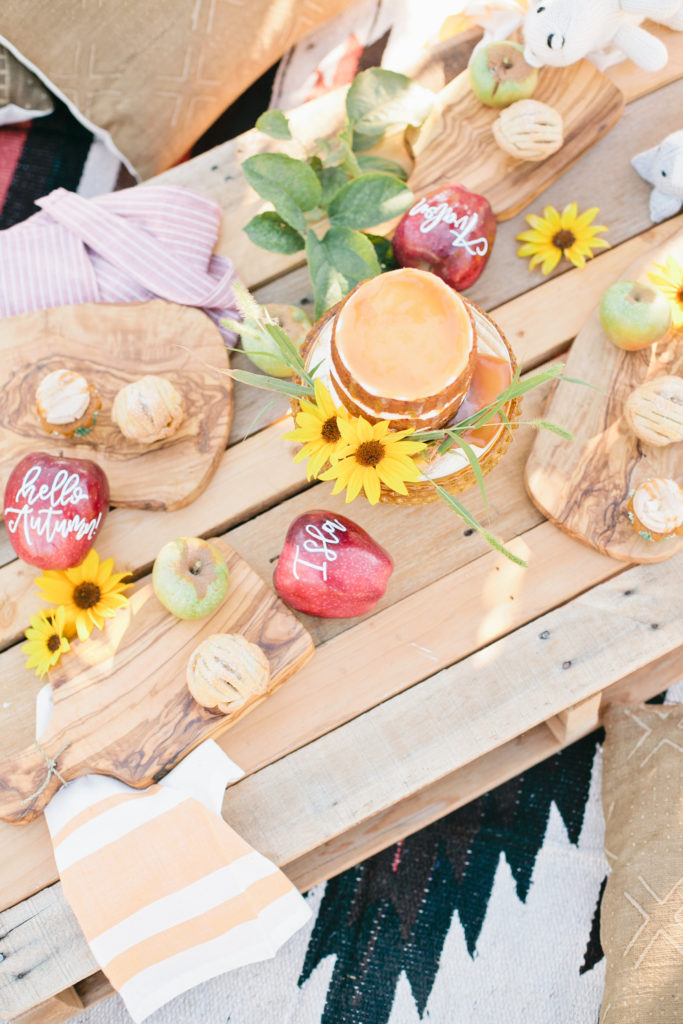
{"x": 371, "y": 485}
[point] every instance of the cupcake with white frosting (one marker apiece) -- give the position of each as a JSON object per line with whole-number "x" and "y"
{"x": 67, "y": 403}
{"x": 656, "y": 509}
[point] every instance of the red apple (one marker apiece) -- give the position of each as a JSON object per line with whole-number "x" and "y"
{"x": 330, "y": 567}
{"x": 54, "y": 508}
{"x": 449, "y": 232}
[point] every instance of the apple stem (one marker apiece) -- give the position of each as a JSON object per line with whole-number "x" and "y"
{"x": 196, "y": 568}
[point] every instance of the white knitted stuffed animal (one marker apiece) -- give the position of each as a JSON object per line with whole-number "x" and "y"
{"x": 561, "y": 32}
{"x": 662, "y": 166}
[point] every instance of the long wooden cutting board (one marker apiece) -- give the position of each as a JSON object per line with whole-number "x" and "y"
{"x": 583, "y": 485}
{"x": 112, "y": 345}
{"x": 456, "y": 143}
{"x": 121, "y": 700}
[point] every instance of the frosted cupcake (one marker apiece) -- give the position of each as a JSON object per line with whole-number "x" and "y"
{"x": 67, "y": 403}
{"x": 656, "y": 509}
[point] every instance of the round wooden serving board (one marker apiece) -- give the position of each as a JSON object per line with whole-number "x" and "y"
{"x": 112, "y": 345}
{"x": 121, "y": 700}
{"x": 583, "y": 485}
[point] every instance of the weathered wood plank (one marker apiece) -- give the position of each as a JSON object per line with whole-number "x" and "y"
{"x": 44, "y": 952}
{"x": 498, "y": 693}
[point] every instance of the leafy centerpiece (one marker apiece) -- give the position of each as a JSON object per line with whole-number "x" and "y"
{"x": 403, "y": 448}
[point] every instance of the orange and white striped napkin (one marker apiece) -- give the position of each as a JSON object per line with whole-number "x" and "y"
{"x": 167, "y": 894}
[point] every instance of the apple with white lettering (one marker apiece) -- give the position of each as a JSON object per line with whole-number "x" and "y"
{"x": 449, "y": 232}
{"x": 331, "y": 567}
{"x": 54, "y": 507}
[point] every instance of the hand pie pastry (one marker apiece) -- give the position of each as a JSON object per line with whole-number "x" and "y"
{"x": 228, "y": 674}
{"x": 654, "y": 411}
{"x": 148, "y": 409}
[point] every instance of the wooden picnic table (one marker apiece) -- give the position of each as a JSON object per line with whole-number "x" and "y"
{"x": 469, "y": 670}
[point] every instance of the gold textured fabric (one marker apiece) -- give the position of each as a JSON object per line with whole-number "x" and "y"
{"x": 641, "y": 924}
{"x": 155, "y": 75}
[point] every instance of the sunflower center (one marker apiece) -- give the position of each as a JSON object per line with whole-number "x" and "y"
{"x": 330, "y": 431}
{"x": 369, "y": 453}
{"x": 86, "y": 595}
{"x": 564, "y": 239}
{"x": 53, "y": 643}
{"x": 679, "y": 296}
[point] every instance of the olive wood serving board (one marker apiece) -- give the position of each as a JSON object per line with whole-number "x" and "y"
{"x": 583, "y": 485}
{"x": 112, "y": 345}
{"x": 456, "y": 142}
{"x": 121, "y": 700}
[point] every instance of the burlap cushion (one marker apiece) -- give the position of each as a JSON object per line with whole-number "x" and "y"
{"x": 155, "y": 75}
{"x": 22, "y": 96}
{"x": 641, "y": 925}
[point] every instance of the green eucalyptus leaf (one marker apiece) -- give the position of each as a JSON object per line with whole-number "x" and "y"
{"x": 290, "y": 185}
{"x": 369, "y": 162}
{"x": 332, "y": 179}
{"x": 275, "y": 124}
{"x": 369, "y": 200}
{"x": 378, "y": 98}
{"x": 337, "y": 263}
{"x": 270, "y": 231}
{"x": 366, "y": 140}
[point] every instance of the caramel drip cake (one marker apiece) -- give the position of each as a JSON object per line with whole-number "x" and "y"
{"x": 403, "y": 349}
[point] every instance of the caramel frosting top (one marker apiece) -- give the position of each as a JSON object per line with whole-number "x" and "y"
{"x": 405, "y": 335}
{"x": 63, "y": 396}
{"x": 658, "y": 504}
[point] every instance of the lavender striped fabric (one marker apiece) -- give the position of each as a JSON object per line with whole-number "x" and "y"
{"x": 154, "y": 241}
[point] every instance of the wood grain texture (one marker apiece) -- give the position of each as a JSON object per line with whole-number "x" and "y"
{"x": 112, "y": 345}
{"x": 471, "y": 708}
{"x": 583, "y": 485}
{"x": 456, "y": 143}
{"x": 121, "y": 700}
{"x": 44, "y": 953}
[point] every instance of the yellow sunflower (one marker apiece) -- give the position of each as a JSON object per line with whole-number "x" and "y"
{"x": 556, "y": 234}
{"x": 369, "y": 455}
{"x": 669, "y": 280}
{"x": 89, "y": 593}
{"x": 45, "y": 640}
{"x": 317, "y": 430}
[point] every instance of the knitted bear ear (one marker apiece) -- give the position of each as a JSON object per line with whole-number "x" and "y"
{"x": 643, "y": 164}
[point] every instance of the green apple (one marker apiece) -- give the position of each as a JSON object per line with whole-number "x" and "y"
{"x": 263, "y": 351}
{"x": 190, "y": 577}
{"x": 634, "y": 315}
{"x": 499, "y": 75}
